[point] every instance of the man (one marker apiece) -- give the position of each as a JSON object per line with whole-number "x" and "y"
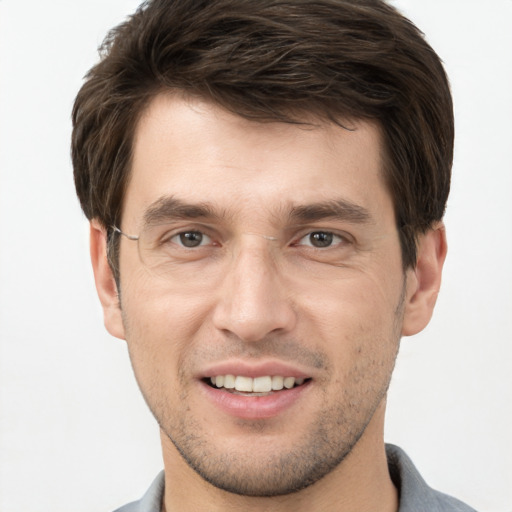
{"x": 266, "y": 182}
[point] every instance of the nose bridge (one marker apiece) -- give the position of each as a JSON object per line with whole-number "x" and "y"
{"x": 252, "y": 301}
{"x": 255, "y": 271}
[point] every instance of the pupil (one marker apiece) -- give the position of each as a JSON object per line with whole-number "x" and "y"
{"x": 191, "y": 238}
{"x": 321, "y": 239}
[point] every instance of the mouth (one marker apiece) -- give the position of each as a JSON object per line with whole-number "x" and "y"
{"x": 258, "y": 386}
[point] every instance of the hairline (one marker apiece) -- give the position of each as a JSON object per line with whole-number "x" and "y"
{"x": 312, "y": 118}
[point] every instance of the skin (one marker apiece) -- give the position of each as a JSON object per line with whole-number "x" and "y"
{"x": 258, "y": 293}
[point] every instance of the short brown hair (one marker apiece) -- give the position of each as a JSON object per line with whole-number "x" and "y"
{"x": 273, "y": 60}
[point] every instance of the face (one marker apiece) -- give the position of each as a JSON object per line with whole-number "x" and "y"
{"x": 268, "y": 260}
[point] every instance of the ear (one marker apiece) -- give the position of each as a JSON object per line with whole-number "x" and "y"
{"x": 424, "y": 280}
{"x": 105, "y": 283}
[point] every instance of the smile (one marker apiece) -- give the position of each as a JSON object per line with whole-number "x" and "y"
{"x": 255, "y": 398}
{"x": 256, "y": 385}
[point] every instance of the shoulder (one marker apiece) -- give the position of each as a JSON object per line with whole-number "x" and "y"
{"x": 451, "y": 504}
{"x": 151, "y": 501}
{"x": 415, "y": 494}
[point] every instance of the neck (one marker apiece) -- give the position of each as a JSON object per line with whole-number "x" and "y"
{"x": 361, "y": 483}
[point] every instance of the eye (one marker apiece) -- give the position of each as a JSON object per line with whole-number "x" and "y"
{"x": 321, "y": 239}
{"x": 191, "y": 239}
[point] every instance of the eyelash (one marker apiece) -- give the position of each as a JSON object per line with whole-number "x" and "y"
{"x": 188, "y": 232}
{"x": 331, "y": 237}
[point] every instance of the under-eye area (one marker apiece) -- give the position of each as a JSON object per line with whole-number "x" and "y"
{"x": 240, "y": 384}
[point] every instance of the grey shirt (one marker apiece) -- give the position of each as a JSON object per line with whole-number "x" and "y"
{"x": 415, "y": 494}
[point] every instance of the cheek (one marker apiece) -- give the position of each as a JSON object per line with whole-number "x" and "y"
{"x": 361, "y": 302}
{"x": 160, "y": 327}
{"x": 356, "y": 322}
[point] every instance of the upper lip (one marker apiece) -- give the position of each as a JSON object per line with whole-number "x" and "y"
{"x": 253, "y": 369}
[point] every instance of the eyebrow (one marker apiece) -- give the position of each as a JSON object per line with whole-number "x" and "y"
{"x": 169, "y": 208}
{"x": 339, "y": 209}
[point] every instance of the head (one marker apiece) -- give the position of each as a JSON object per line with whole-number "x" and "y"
{"x": 273, "y": 61}
{"x": 306, "y": 148}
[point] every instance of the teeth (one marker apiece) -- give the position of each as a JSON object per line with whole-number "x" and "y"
{"x": 243, "y": 384}
{"x": 229, "y": 381}
{"x": 277, "y": 383}
{"x": 289, "y": 382}
{"x": 264, "y": 384}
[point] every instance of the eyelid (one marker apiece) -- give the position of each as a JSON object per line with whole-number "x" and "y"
{"x": 170, "y": 232}
{"x": 172, "y": 229}
{"x": 174, "y": 238}
{"x": 306, "y": 242}
{"x": 346, "y": 237}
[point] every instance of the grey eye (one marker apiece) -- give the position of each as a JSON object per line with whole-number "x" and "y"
{"x": 321, "y": 239}
{"x": 190, "y": 239}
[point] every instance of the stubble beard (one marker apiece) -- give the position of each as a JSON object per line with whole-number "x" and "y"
{"x": 331, "y": 438}
{"x": 271, "y": 474}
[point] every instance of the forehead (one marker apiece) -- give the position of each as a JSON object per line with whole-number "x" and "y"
{"x": 198, "y": 152}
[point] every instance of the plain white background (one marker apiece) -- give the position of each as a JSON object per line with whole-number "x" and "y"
{"x": 75, "y": 434}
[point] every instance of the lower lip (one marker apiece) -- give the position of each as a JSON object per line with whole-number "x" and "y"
{"x": 254, "y": 407}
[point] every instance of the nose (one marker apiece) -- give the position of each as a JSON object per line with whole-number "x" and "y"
{"x": 253, "y": 301}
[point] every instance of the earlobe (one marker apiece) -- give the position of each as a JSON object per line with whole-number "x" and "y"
{"x": 105, "y": 283}
{"x": 424, "y": 280}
